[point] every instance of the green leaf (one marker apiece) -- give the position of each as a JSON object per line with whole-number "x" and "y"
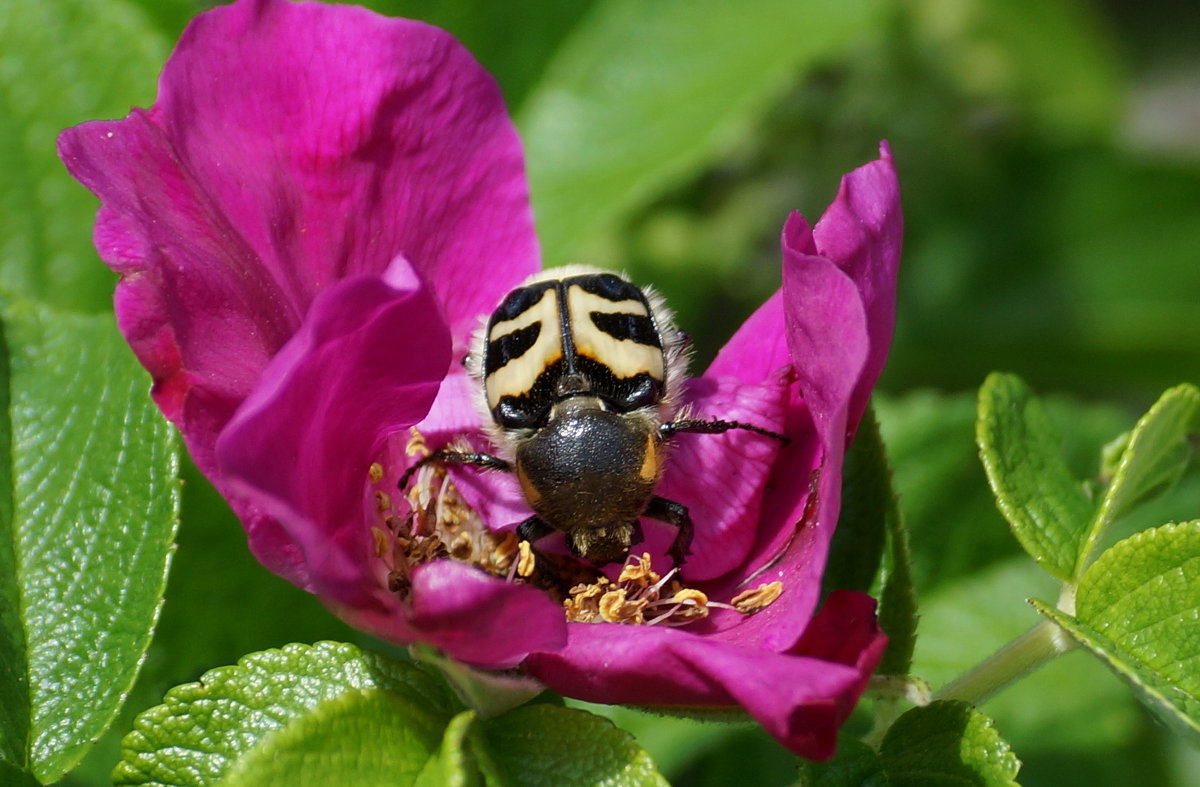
{"x": 362, "y": 737}
{"x": 1045, "y": 506}
{"x": 870, "y": 515}
{"x": 64, "y": 62}
{"x": 642, "y": 92}
{"x": 947, "y": 743}
{"x": 1154, "y": 457}
{"x": 867, "y": 501}
{"x": 14, "y": 679}
{"x": 257, "y": 722}
{"x": 95, "y": 505}
{"x": 677, "y": 744}
{"x": 453, "y": 765}
{"x": 855, "y": 765}
{"x": 552, "y": 745}
{"x": 1136, "y": 608}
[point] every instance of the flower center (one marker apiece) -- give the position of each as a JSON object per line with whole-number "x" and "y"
{"x": 434, "y": 522}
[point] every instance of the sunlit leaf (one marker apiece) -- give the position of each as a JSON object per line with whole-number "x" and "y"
{"x": 1152, "y": 461}
{"x": 255, "y": 723}
{"x": 93, "y": 516}
{"x": 1045, "y": 506}
{"x": 947, "y": 743}
{"x": 1136, "y": 608}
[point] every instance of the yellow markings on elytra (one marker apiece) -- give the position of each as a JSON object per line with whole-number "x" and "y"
{"x": 518, "y": 375}
{"x": 624, "y": 357}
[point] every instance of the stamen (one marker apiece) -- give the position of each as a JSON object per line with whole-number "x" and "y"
{"x": 434, "y": 522}
{"x": 616, "y": 608}
{"x": 761, "y": 597}
{"x": 381, "y": 542}
{"x": 437, "y": 525}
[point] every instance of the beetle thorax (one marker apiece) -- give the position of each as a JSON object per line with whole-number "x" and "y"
{"x": 589, "y": 467}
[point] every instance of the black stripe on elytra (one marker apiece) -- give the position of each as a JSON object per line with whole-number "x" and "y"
{"x": 623, "y": 394}
{"x": 518, "y": 302}
{"x": 510, "y": 346}
{"x": 609, "y": 287}
{"x": 632, "y": 327}
{"x": 531, "y": 408}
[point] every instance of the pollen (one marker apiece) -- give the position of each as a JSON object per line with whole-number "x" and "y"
{"x": 617, "y": 607}
{"x": 640, "y": 595}
{"x": 758, "y": 599}
{"x": 432, "y": 521}
{"x": 526, "y": 563}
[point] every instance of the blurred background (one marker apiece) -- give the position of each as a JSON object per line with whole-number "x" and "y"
{"x": 1049, "y": 155}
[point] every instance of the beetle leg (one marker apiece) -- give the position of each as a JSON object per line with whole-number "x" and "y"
{"x": 533, "y": 529}
{"x": 451, "y": 457}
{"x": 546, "y": 572}
{"x": 701, "y": 426}
{"x": 676, "y": 514}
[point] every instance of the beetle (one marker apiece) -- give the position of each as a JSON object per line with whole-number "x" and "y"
{"x": 578, "y": 375}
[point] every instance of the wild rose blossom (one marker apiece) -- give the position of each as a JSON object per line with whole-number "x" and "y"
{"x": 309, "y": 223}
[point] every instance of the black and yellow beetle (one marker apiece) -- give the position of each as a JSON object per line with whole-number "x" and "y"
{"x": 579, "y": 373}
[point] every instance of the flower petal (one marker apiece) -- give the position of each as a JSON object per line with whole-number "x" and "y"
{"x": 801, "y": 698}
{"x": 301, "y": 446}
{"x": 759, "y": 349}
{"x": 198, "y": 308}
{"x": 456, "y": 415}
{"x": 293, "y": 144}
{"x": 374, "y": 137}
{"x": 721, "y": 477}
{"x": 480, "y": 619}
{"x": 826, "y": 330}
{"x": 862, "y": 232}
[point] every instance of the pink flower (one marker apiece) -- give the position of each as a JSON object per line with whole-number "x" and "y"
{"x": 310, "y": 222}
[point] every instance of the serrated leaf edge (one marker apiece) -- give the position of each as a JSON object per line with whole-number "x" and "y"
{"x": 1104, "y": 513}
{"x": 1117, "y": 659}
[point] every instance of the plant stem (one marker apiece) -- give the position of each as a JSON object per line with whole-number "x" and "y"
{"x": 1012, "y": 662}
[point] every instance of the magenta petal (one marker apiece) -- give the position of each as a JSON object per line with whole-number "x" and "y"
{"x": 340, "y": 138}
{"x": 720, "y": 478}
{"x": 845, "y": 631}
{"x": 862, "y": 232}
{"x": 300, "y": 447}
{"x": 480, "y": 619}
{"x": 456, "y": 415}
{"x": 799, "y": 699}
{"x": 827, "y": 331}
{"x": 200, "y": 311}
{"x": 294, "y": 144}
{"x": 759, "y": 349}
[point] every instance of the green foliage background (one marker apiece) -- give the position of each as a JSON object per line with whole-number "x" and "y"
{"x": 1049, "y": 152}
